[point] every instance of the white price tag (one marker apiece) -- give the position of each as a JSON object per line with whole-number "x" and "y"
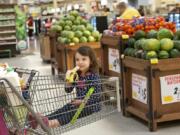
{"x": 139, "y": 88}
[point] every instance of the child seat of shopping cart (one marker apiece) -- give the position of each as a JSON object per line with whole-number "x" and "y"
{"x": 47, "y": 93}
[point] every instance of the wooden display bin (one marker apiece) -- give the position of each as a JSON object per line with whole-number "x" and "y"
{"x": 65, "y": 55}
{"x": 113, "y": 47}
{"x": 53, "y": 51}
{"x": 152, "y": 91}
{"x": 111, "y": 55}
{"x": 45, "y": 49}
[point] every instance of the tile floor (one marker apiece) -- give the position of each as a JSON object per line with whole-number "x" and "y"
{"x": 113, "y": 125}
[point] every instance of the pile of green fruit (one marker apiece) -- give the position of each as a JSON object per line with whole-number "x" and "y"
{"x": 72, "y": 28}
{"x": 162, "y": 44}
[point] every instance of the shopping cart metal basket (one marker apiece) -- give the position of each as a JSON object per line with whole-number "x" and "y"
{"x": 47, "y": 94}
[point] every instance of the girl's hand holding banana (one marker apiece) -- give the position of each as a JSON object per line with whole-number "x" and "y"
{"x": 71, "y": 75}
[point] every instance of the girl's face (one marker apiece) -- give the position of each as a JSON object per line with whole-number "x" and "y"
{"x": 83, "y": 62}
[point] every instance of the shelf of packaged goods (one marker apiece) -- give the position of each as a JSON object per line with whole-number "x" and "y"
{"x": 7, "y": 43}
{"x": 8, "y": 32}
{"x": 11, "y": 25}
{"x": 7, "y": 38}
{"x": 7, "y": 12}
{"x": 60, "y": 2}
{"x": 6, "y": 19}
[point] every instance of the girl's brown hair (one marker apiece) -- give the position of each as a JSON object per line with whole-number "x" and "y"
{"x": 87, "y": 51}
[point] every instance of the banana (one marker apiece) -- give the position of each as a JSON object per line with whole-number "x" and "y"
{"x": 71, "y": 76}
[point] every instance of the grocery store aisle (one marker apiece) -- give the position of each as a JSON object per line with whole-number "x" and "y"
{"x": 29, "y": 59}
{"x": 113, "y": 125}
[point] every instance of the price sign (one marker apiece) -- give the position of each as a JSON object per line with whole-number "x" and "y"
{"x": 170, "y": 89}
{"x": 113, "y": 59}
{"x": 139, "y": 88}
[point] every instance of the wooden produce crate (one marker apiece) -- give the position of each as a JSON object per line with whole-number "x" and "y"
{"x": 45, "y": 49}
{"x": 152, "y": 91}
{"x": 113, "y": 47}
{"x": 53, "y": 51}
{"x": 65, "y": 55}
{"x": 111, "y": 56}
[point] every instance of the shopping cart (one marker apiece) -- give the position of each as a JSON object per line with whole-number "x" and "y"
{"x": 11, "y": 106}
{"x": 47, "y": 94}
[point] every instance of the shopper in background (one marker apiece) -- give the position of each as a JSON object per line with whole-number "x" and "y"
{"x": 30, "y": 26}
{"x": 106, "y": 9}
{"x": 48, "y": 23}
{"x": 94, "y": 9}
{"x": 88, "y": 77}
{"x": 127, "y": 12}
{"x": 141, "y": 10}
{"x": 37, "y": 24}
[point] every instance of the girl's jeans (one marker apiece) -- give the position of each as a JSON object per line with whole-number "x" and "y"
{"x": 65, "y": 114}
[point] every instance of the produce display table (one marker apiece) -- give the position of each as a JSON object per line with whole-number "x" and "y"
{"x": 82, "y": 31}
{"x": 152, "y": 91}
{"x": 65, "y": 55}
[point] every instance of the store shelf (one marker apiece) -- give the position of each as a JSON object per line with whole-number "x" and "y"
{"x": 8, "y": 32}
{"x": 8, "y": 28}
{"x": 7, "y": 43}
{"x": 11, "y": 25}
{"x": 7, "y": 38}
{"x": 9, "y": 12}
{"x": 60, "y": 3}
{"x": 7, "y": 19}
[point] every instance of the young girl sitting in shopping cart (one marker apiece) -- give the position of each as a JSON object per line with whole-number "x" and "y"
{"x": 87, "y": 77}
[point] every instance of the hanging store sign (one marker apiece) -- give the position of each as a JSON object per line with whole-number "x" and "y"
{"x": 113, "y": 59}
{"x": 170, "y": 89}
{"x": 139, "y": 88}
